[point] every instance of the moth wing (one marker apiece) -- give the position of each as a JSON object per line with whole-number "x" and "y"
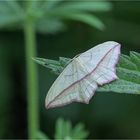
{"x": 106, "y": 71}
{"x": 63, "y": 90}
{"x": 79, "y": 91}
{"x": 100, "y": 62}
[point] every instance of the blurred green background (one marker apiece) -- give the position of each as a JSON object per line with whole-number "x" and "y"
{"x": 109, "y": 115}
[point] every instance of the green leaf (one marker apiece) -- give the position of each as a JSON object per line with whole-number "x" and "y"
{"x": 84, "y": 6}
{"x": 55, "y": 66}
{"x": 135, "y": 57}
{"x": 83, "y": 17}
{"x": 59, "y": 130}
{"x": 65, "y": 131}
{"x": 13, "y": 5}
{"x": 10, "y": 13}
{"x": 10, "y": 6}
{"x": 121, "y": 86}
{"x": 129, "y": 75}
{"x": 4, "y": 8}
{"x": 46, "y": 62}
{"x": 67, "y": 128}
{"x": 35, "y": 4}
{"x": 9, "y": 20}
{"x": 78, "y": 11}
{"x": 64, "y": 61}
{"x": 48, "y": 15}
{"x": 49, "y": 4}
{"x": 125, "y": 62}
{"x": 128, "y": 71}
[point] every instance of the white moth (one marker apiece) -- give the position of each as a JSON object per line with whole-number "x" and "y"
{"x": 81, "y": 77}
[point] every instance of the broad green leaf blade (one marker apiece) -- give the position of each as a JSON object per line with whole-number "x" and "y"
{"x": 83, "y": 17}
{"x": 84, "y": 6}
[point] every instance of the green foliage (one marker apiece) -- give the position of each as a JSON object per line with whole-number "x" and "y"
{"x": 128, "y": 71}
{"x": 45, "y": 16}
{"x": 64, "y": 130}
{"x": 50, "y": 18}
{"x": 55, "y": 66}
{"x": 10, "y": 13}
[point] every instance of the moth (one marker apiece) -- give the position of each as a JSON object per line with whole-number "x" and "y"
{"x": 84, "y": 73}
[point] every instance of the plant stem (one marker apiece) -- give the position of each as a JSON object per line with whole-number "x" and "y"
{"x": 32, "y": 78}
